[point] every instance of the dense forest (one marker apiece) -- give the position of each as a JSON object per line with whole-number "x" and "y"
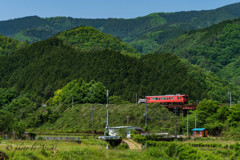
{"x": 216, "y": 48}
{"x": 46, "y": 66}
{"x": 9, "y": 45}
{"x": 143, "y": 33}
{"x": 89, "y": 38}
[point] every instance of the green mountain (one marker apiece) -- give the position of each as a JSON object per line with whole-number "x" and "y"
{"x": 9, "y": 45}
{"x": 44, "y": 67}
{"x": 89, "y": 38}
{"x": 216, "y": 48}
{"x": 143, "y": 33}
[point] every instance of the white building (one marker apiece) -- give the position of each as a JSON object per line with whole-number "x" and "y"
{"x": 114, "y": 131}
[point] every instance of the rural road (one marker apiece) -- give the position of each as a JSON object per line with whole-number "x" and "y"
{"x": 132, "y": 144}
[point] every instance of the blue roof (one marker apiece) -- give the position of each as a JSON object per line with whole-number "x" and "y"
{"x": 198, "y": 129}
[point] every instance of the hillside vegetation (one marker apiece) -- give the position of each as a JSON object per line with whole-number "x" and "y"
{"x": 79, "y": 117}
{"x": 216, "y": 48}
{"x": 88, "y": 38}
{"x": 46, "y": 66}
{"x": 143, "y": 33}
{"x": 9, "y": 45}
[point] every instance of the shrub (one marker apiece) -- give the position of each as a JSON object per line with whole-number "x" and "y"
{"x": 40, "y": 138}
{"x": 32, "y": 135}
{"x": 122, "y": 146}
{"x": 156, "y": 152}
{"x": 139, "y": 138}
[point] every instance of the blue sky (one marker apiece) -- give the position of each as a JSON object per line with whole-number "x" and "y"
{"x": 101, "y": 8}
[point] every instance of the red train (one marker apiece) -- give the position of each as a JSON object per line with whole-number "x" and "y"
{"x": 168, "y": 99}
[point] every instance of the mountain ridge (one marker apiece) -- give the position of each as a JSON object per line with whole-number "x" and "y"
{"x": 213, "y": 48}
{"x": 143, "y": 33}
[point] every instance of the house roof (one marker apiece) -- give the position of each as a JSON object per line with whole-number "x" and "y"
{"x": 127, "y": 127}
{"x": 198, "y": 129}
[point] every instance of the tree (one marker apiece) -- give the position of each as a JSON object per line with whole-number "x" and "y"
{"x": 6, "y": 121}
{"x": 96, "y": 93}
{"x": 234, "y": 115}
{"x": 7, "y": 95}
{"x": 81, "y": 92}
{"x": 19, "y": 127}
{"x": 216, "y": 122}
{"x": 205, "y": 109}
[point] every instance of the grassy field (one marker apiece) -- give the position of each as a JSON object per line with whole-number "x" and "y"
{"x": 211, "y": 148}
{"x": 88, "y": 149}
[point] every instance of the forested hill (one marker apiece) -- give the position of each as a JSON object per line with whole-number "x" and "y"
{"x": 46, "y": 66}
{"x": 216, "y": 48}
{"x": 143, "y": 33}
{"x": 89, "y": 38}
{"x": 9, "y": 45}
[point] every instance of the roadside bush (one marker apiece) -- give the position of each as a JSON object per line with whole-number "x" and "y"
{"x": 185, "y": 152}
{"x": 32, "y": 135}
{"x": 179, "y": 150}
{"x": 139, "y": 138}
{"x": 40, "y": 138}
{"x": 122, "y": 146}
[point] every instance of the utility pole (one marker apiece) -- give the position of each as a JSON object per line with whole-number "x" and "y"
{"x": 230, "y": 98}
{"x": 146, "y": 115}
{"x": 136, "y": 99}
{"x": 92, "y": 121}
{"x": 72, "y": 102}
{"x": 175, "y": 122}
{"x": 187, "y": 122}
{"x": 195, "y": 120}
{"x": 107, "y": 114}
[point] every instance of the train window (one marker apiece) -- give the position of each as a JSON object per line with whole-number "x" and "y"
{"x": 153, "y": 98}
{"x": 177, "y": 97}
{"x": 164, "y": 98}
{"x": 171, "y": 97}
{"x": 161, "y": 98}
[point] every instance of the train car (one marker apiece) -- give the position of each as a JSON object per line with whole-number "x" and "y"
{"x": 168, "y": 99}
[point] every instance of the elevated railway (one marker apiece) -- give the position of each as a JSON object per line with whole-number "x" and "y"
{"x": 177, "y": 103}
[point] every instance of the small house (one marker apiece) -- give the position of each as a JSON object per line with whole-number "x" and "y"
{"x": 199, "y": 132}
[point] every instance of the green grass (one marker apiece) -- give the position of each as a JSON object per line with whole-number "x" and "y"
{"x": 79, "y": 118}
{"x": 96, "y": 149}
{"x": 88, "y": 149}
